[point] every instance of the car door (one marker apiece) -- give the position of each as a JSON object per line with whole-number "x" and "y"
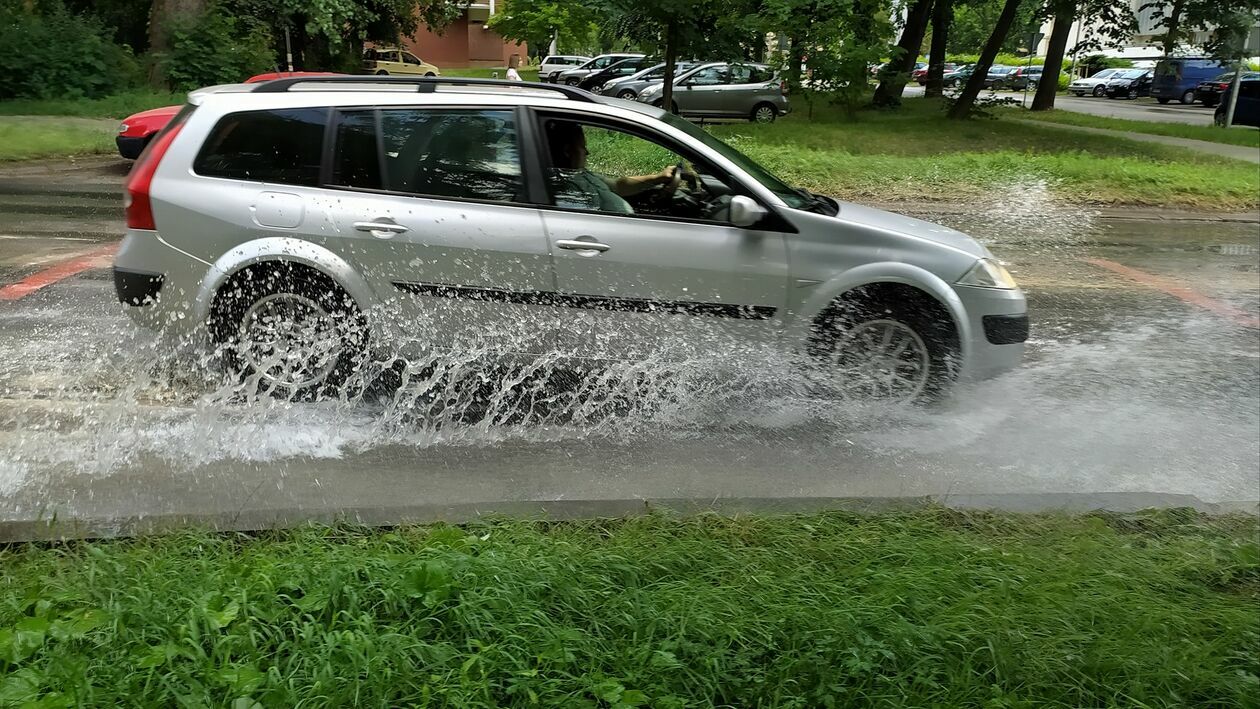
{"x": 656, "y": 276}
{"x": 701, "y": 92}
{"x": 432, "y": 207}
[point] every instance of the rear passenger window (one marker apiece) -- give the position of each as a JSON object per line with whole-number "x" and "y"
{"x": 356, "y": 159}
{"x": 461, "y": 154}
{"x": 281, "y": 146}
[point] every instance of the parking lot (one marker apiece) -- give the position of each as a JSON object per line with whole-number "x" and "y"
{"x": 1139, "y": 109}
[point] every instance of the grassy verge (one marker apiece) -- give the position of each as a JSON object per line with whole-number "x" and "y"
{"x": 933, "y": 608}
{"x": 527, "y": 73}
{"x": 119, "y": 106}
{"x": 25, "y": 138}
{"x": 914, "y": 154}
{"x": 1245, "y": 136}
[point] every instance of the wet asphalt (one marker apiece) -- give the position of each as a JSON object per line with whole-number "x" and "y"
{"x": 1134, "y": 393}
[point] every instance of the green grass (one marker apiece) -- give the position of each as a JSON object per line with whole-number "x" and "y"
{"x": 24, "y": 139}
{"x": 529, "y": 73}
{"x": 119, "y": 106}
{"x": 914, "y": 154}
{"x": 933, "y": 608}
{"x": 1243, "y": 135}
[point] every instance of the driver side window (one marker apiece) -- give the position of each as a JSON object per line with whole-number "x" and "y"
{"x": 601, "y": 168}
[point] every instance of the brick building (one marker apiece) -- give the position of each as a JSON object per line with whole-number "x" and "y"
{"x": 466, "y": 42}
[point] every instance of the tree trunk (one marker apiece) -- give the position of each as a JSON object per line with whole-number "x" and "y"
{"x": 967, "y": 99}
{"x": 942, "y": 16}
{"x": 162, "y": 15}
{"x": 893, "y": 78}
{"x": 1173, "y": 25}
{"x": 796, "y": 59}
{"x": 1064, "y": 16}
{"x": 667, "y": 91}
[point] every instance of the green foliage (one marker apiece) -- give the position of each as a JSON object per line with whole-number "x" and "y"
{"x": 55, "y": 54}
{"x": 935, "y": 608}
{"x": 535, "y": 21}
{"x": 974, "y": 21}
{"x": 119, "y": 105}
{"x": 217, "y": 48}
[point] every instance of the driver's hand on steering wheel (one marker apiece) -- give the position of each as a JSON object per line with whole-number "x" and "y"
{"x": 670, "y": 178}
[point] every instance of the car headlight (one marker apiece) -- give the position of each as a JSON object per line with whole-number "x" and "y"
{"x": 988, "y": 273}
{"x": 122, "y": 128}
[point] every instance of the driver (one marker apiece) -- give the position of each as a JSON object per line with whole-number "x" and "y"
{"x": 580, "y": 188}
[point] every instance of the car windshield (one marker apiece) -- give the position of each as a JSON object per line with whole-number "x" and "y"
{"x": 1105, "y": 73}
{"x": 1130, "y": 74}
{"x": 790, "y": 196}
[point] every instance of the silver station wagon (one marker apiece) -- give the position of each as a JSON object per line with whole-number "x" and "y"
{"x": 275, "y": 218}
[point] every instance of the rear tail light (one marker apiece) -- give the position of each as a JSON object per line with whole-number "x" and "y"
{"x": 136, "y": 203}
{"x": 1222, "y": 87}
{"x": 783, "y": 87}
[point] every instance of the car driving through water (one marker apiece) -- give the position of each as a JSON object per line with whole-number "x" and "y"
{"x": 273, "y": 218}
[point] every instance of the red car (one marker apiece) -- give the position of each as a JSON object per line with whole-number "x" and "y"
{"x": 920, "y": 75}
{"x": 137, "y": 130}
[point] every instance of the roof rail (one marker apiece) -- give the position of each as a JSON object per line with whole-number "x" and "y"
{"x": 423, "y": 84}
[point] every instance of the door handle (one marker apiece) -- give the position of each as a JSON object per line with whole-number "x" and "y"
{"x": 579, "y": 245}
{"x": 387, "y": 227}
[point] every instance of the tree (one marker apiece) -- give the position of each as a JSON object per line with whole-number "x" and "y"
{"x": 974, "y": 21}
{"x": 895, "y": 74}
{"x": 1226, "y": 20}
{"x": 1114, "y": 22}
{"x": 537, "y": 22}
{"x": 163, "y": 16}
{"x": 967, "y": 99}
{"x": 942, "y": 16}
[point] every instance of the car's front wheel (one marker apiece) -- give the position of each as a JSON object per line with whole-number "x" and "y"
{"x": 288, "y": 331}
{"x": 764, "y": 113}
{"x": 430, "y": 74}
{"x": 1209, "y": 102}
{"x": 626, "y": 95}
{"x": 1100, "y": 91}
{"x": 1187, "y": 98}
{"x": 878, "y": 351}
{"x": 382, "y": 72}
{"x": 571, "y": 82}
{"x": 1163, "y": 101}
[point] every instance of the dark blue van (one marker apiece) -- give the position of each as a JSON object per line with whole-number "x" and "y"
{"x": 1247, "y": 112}
{"x": 1177, "y": 78}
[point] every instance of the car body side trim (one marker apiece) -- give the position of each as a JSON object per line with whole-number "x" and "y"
{"x": 590, "y": 302}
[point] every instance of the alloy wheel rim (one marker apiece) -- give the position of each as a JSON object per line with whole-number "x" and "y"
{"x": 289, "y": 340}
{"x": 765, "y": 114}
{"x": 882, "y": 360}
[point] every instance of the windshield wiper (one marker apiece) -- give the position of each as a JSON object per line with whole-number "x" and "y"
{"x": 815, "y": 203}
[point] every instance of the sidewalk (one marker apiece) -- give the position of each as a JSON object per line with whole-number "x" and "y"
{"x": 1238, "y": 152}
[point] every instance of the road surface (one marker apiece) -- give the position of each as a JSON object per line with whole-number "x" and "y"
{"x": 1143, "y": 376}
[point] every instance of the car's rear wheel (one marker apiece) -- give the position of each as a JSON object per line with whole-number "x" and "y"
{"x": 1163, "y": 101}
{"x": 1032, "y": 85}
{"x": 382, "y": 72}
{"x": 892, "y": 351}
{"x": 764, "y": 113}
{"x": 627, "y": 95}
{"x": 571, "y": 82}
{"x": 999, "y": 86}
{"x": 1187, "y": 98}
{"x": 289, "y": 331}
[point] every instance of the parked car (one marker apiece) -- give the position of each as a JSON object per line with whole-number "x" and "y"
{"x": 573, "y": 76}
{"x": 595, "y": 80}
{"x": 920, "y": 75}
{"x": 556, "y": 63}
{"x": 392, "y": 60}
{"x": 725, "y": 90}
{"x": 1026, "y": 77}
{"x": 137, "y": 130}
{"x": 958, "y": 76}
{"x": 1209, "y": 92}
{"x": 1247, "y": 110}
{"x": 629, "y": 87}
{"x": 999, "y": 77}
{"x": 270, "y": 219}
{"x": 1130, "y": 83}
{"x": 1177, "y": 78}
{"x": 1095, "y": 85}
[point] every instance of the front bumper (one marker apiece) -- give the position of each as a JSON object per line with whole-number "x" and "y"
{"x": 130, "y": 146}
{"x": 998, "y": 323}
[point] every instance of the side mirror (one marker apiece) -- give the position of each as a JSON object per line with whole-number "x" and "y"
{"x": 745, "y": 211}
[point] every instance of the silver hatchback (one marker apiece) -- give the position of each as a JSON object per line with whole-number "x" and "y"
{"x": 277, "y": 219}
{"x": 725, "y": 90}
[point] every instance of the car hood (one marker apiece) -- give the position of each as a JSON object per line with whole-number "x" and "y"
{"x": 911, "y": 227}
{"x": 163, "y": 112}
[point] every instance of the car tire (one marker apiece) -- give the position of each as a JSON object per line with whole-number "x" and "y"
{"x": 1163, "y": 101}
{"x": 382, "y": 72}
{"x": 571, "y": 82}
{"x": 430, "y": 74}
{"x": 256, "y": 300}
{"x": 1219, "y": 117}
{"x": 854, "y": 331}
{"x": 1209, "y": 103}
{"x": 1100, "y": 91}
{"x": 1032, "y": 86}
{"x": 998, "y": 86}
{"x": 764, "y": 113}
{"x": 1187, "y": 98}
{"x": 627, "y": 95}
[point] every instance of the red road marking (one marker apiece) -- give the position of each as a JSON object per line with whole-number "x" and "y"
{"x": 97, "y": 258}
{"x": 1175, "y": 289}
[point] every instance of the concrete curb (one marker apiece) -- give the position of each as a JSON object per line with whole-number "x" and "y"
{"x": 263, "y": 519}
{"x": 1134, "y": 213}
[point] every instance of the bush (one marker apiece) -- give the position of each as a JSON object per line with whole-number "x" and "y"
{"x": 216, "y": 48}
{"x": 56, "y": 54}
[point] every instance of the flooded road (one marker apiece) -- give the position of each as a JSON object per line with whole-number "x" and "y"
{"x": 1143, "y": 376}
